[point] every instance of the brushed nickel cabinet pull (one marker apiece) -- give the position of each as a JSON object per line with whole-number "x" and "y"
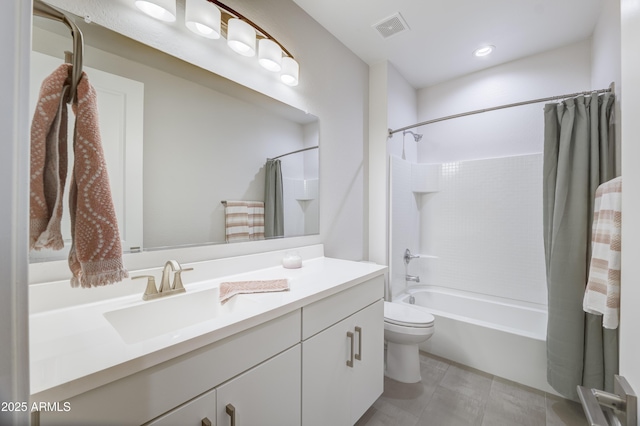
{"x": 205, "y": 422}
{"x": 359, "y": 354}
{"x": 350, "y": 361}
{"x": 231, "y": 411}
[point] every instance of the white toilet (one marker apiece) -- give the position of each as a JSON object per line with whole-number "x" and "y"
{"x": 405, "y": 327}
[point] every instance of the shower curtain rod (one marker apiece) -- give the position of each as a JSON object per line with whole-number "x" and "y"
{"x": 534, "y": 101}
{"x": 294, "y": 152}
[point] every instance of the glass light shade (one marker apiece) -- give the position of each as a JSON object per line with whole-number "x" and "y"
{"x": 290, "y": 71}
{"x": 164, "y": 10}
{"x": 270, "y": 55}
{"x": 241, "y": 37}
{"x": 203, "y": 18}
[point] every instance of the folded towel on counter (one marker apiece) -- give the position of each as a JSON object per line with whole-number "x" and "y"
{"x": 230, "y": 289}
{"x": 602, "y": 295}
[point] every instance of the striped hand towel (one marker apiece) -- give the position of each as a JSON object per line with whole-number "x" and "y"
{"x": 244, "y": 221}
{"x": 602, "y": 295}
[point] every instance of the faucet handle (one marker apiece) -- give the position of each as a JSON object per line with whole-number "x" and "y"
{"x": 151, "y": 285}
{"x": 177, "y": 281}
{"x": 408, "y": 256}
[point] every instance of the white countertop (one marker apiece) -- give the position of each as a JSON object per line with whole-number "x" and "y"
{"x": 75, "y": 349}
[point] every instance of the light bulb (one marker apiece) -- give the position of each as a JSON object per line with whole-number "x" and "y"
{"x": 241, "y": 37}
{"x": 164, "y": 10}
{"x": 484, "y": 51}
{"x": 202, "y": 18}
{"x": 270, "y": 55}
{"x": 290, "y": 71}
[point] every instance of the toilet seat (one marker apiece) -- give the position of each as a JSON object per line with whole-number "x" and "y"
{"x": 407, "y": 316}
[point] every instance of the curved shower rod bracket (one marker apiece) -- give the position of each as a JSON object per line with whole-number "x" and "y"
{"x": 45, "y": 10}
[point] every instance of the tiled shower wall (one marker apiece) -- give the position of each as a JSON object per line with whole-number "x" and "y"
{"x": 483, "y": 227}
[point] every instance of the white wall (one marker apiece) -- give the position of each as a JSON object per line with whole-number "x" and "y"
{"x": 513, "y": 131}
{"x": 15, "y": 39}
{"x": 402, "y": 109}
{"x": 405, "y": 225}
{"x": 605, "y": 60}
{"x": 377, "y": 196}
{"x": 333, "y": 86}
{"x": 630, "y": 107}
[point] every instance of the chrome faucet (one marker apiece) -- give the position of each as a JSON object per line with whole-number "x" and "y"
{"x": 414, "y": 278}
{"x": 166, "y": 287}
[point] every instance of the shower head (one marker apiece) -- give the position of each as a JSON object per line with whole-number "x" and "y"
{"x": 416, "y": 136}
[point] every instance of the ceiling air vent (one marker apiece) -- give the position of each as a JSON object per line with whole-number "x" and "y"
{"x": 391, "y": 25}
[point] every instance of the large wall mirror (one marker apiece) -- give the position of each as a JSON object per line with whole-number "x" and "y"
{"x": 180, "y": 140}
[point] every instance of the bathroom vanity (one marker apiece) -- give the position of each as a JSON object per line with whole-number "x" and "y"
{"x": 312, "y": 355}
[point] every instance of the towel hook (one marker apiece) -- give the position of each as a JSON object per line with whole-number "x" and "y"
{"x": 45, "y": 10}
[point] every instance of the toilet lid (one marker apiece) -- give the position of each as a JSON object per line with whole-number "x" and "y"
{"x": 403, "y": 314}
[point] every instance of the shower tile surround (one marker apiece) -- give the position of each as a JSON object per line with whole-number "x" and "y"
{"x": 483, "y": 226}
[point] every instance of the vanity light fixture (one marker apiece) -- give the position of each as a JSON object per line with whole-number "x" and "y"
{"x": 270, "y": 55}
{"x": 202, "y": 18}
{"x": 290, "y": 70}
{"x": 241, "y": 37}
{"x": 241, "y": 33}
{"x": 484, "y": 51}
{"x": 164, "y": 10}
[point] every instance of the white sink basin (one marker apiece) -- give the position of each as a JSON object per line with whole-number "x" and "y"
{"x": 169, "y": 314}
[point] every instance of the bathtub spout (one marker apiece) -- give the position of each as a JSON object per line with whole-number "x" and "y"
{"x": 414, "y": 278}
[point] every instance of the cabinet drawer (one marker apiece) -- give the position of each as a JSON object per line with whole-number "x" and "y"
{"x": 143, "y": 396}
{"x": 199, "y": 412}
{"x": 326, "y": 312}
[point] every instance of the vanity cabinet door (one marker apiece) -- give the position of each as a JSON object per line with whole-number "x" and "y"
{"x": 368, "y": 371}
{"x": 326, "y": 377}
{"x": 334, "y": 392}
{"x": 198, "y": 412}
{"x": 266, "y": 395}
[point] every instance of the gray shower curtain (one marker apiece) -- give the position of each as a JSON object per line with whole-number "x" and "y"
{"x": 578, "y": 157}
{"x": 273, "y": 202}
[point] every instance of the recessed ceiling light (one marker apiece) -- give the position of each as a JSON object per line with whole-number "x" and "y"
{"x": 483, "y": 51}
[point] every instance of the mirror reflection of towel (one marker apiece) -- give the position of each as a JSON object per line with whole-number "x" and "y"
{"x": 244, "y": 221}
{"x": 602, "y": 295}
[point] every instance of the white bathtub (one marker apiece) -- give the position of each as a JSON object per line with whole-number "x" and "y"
{"x": 493, "y": 335}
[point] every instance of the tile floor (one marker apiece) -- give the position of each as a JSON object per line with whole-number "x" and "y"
{"x": 454, "y": 395}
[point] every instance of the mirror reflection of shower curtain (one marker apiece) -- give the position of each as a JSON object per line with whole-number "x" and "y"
{"x": 273, "y": 201}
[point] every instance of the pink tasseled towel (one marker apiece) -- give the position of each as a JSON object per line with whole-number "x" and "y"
{"x": 95, "y": 257}
{"x": 230, "y": 289}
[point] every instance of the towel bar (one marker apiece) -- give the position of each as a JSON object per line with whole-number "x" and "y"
{"x": 624, "y": 400}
